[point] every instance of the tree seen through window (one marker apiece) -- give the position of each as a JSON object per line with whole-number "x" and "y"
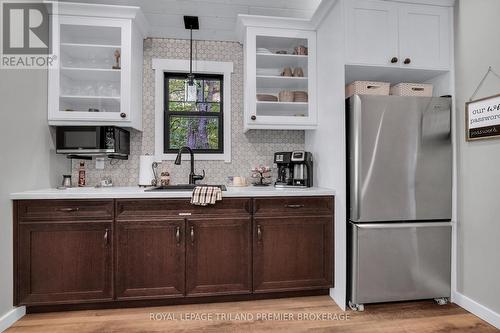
{"x": 194, "y": 120}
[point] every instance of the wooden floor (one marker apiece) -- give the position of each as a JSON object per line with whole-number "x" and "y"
{"x": 250, "y": 316}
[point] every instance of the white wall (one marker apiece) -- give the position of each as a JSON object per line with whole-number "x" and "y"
{"x": 327, "y": 143}
{"x": 25, "y": 158}
{"x": 477, "y": 46}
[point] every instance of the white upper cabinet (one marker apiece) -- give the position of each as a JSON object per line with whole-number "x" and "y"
{"x": 90, "y": 85}
{"x": 280, "y": 73}
{"x": 424, "y": 36}
{"x": 395, "y": 34}
{"x": 371, "y": 32}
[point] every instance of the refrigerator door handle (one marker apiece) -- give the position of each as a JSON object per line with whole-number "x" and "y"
{"x": 401, "y": 225}
{"x": 355, "y": 129}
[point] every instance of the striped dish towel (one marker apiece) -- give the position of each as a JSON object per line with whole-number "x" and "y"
{"x": 206, "y": 195}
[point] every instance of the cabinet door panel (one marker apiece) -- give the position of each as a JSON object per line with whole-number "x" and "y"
{"x": 62, "y": 262}
{"x": 292, "y": 253}
{"x": 150, "y": 259}
{"x": 371, "y": 32}
{"x": 425, "y": 36}
{"x": 218, "y": 256}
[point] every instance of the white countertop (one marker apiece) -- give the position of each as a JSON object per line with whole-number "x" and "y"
{"x": 136, "y": 192}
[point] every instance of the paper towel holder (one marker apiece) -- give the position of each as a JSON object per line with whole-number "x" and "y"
{"x": 148, "y": 171}
{"x": 154, "y": 167}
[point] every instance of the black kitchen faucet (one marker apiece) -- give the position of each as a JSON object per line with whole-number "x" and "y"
{"x": 192, "y": 176}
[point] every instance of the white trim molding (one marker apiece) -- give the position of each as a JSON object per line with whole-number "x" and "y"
{"x": 477, "y": 309}
{"x": 107, "y": 11}
{"x": 160, "y": 66}
{"x": 8, "y": 319}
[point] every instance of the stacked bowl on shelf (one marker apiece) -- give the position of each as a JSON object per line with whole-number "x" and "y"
{"x": 266, "y": 98}
{"x": 300, "y": 96}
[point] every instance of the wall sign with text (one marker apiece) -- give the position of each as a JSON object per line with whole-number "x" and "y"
{"x": 482, "y": 118}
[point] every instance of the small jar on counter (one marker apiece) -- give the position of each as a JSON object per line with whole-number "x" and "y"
{"x": 164, "y": 178}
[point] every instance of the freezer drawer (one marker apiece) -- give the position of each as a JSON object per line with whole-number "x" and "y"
{"x": 399, "y": 261}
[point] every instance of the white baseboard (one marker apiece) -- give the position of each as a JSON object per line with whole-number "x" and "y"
{"x": 479, "y": 310}
{"x": 338, "y": 299}
{"x": 8, "y": 319}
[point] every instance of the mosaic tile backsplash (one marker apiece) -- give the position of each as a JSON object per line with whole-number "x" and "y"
{"x": 248, "y": 149}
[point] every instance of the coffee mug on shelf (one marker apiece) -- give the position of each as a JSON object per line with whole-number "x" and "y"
{"x": 287, "y": 71}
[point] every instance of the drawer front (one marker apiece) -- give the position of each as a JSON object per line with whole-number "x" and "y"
{"x": 146, "y": 209}
{"x": 292, "y": 206}
{"x": 420, "y": 253}
{"x": 48, "y": 210}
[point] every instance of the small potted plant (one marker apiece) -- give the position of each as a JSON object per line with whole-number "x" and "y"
{"x": 261, "y": 175}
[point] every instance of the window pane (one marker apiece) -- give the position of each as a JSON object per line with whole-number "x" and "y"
{"x": 212, "y": 91}
{"x": 194, "y": 132}
{"x": 206, "y": 90}
{"x": 177, "y": 90}
{"x": 208, "y": 107}
{"x": 182, "y": 106}
{"x": 193, "y": 107}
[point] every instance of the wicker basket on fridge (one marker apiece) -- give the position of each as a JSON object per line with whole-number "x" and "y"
{"x": 412, "y": 89}
{"x": 367, "y": 88}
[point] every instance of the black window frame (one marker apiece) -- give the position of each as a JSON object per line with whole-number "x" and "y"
{"x": 167, "y": 114}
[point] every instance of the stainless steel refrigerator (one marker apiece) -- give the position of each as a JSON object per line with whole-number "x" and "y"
{"x": 399, "y": 176}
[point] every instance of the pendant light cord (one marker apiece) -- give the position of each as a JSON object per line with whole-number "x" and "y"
{"x": 191, "y": 81}
{"x": 191, "y": 52}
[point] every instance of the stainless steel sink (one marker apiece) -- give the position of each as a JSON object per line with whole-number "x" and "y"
{"x": 182, "y": 187}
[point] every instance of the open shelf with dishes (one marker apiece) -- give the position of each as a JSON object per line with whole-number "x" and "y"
{"x": 281, "y": 80}
{"x": 280, "y": 71}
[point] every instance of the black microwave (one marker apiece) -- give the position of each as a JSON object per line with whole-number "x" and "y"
{"x": 87, "y": 141}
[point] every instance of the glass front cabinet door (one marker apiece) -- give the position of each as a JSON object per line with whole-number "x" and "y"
{"x": 95, "y": 80}
{"x": 280, "y": 79}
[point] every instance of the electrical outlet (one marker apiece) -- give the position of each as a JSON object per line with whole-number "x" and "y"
{"x": 99, "y": 163}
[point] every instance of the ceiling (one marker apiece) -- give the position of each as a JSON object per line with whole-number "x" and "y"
{"x": 217, "y": 17}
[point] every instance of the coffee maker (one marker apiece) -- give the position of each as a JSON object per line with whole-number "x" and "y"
{"x": 295, "y": 169}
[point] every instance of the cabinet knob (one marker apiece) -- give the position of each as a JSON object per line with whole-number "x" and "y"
{"x": 394, "y": 60}
{"x": 407, "y": 61}
{"x": 253, "y": 117}
{"x": 123, "y": 115}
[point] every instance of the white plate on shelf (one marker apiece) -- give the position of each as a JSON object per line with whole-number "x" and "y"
{"x": 269, "y": 71}
{"x": 263, "y": 50}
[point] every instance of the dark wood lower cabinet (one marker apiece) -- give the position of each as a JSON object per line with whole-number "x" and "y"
{"x": 218, "y": 257}
{"x": 64, "y": 262}
{"x": 292, "y": 253}
{"x": 150, "y": 259}
{"x": 166, "y": 250}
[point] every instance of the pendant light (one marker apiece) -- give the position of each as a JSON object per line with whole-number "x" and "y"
{"x": 191, "y": 23}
